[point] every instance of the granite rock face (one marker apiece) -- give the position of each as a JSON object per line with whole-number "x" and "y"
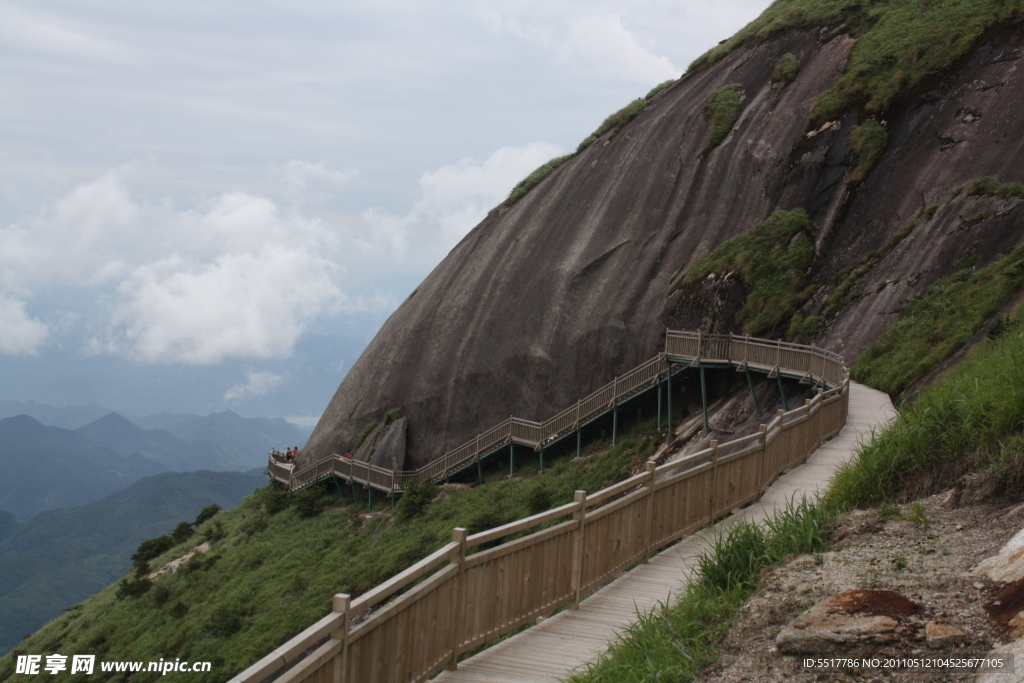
{"x": 552, "y": 297}
{"x": 385, "y": 445}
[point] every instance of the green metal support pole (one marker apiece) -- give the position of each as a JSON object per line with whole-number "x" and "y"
{"x": 479, "y": 472}
{"x": 392, "y": 497}
{"x": 659, "y": 406}
{"x": 542, "y": 461}
{"x": 369, "y": 498}
{"x": 579, "y": 431}
{"x": 511, "y": 458}
{"x": 355, "y": 494}
{"x": 668, "y": 393}
{"x": 782, "y": 392}
{"x": 704, "y": 399}
{"x": 615, "y": 423}
{"x": 753, "y": 394}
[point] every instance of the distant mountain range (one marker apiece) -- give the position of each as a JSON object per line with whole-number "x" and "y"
{"x": 58, "y": 558}
{"x": 50, "y": 467}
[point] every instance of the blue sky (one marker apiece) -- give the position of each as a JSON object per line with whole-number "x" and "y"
{"x": 210, "y": 206}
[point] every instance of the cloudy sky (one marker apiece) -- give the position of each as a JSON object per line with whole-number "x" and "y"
{"x": 210, "y": 206}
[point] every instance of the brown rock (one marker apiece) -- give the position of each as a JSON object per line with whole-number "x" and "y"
{"x": 1016, "y": 627}
{"x": 852, "y": 618}
{"x": 940, "y": 635}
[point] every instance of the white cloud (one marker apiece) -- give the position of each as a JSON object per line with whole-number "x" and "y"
{"x": 300, "y": 177}
{"x": 453, "y": 199}
{"x": 240, "y": 306}
{"x": 19, "y": 334}
{"x": 595, "y": 41}
{"x": 256, "y": 384}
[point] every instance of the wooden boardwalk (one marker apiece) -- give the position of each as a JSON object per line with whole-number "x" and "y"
{"x": 551, "y": 650}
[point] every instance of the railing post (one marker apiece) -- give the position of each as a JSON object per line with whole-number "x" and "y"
{"x": 580, "y": 517}
{"x": 649, "y": 523}
{"x": 458, "y": 558}
{"x": 763, "y": 440}
{"x": 714, "y": 477}
{"x": 341, "y": 604}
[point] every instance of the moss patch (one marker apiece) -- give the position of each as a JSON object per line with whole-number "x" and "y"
{"x": 868, "y": 144}
{"x": 786, "y": 69}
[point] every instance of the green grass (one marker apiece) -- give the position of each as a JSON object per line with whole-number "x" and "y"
{"x": 277, "y": 560}
{"x": 677, "y": 640}
{"x": 786, "y": 69}
{"x": 901, "y": 44}
{"x": 803, "y": 329}
{"x": 772, "y": 260}
{"x": 617, "y": 120}
{"x": 933, "y": 326}
{"x": 722, "y": 109}
{"x": 970, "y": 419}
{"x": 868, "y": 144}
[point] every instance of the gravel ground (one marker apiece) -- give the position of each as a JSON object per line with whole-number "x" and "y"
{"x": 929, "y": 563}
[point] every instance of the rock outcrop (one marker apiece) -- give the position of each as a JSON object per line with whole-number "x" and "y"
{"x": 548, "y": 299}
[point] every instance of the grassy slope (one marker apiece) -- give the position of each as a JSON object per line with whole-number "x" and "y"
{"x": 274, "y": 571}
{"x": 932, "y": 327}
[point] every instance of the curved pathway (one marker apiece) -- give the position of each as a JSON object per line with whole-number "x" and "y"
{"x": 552, "y": 649}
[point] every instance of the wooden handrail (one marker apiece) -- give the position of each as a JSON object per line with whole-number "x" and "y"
{"x": 599, "y": 401}
{"x": 449, "y": 604}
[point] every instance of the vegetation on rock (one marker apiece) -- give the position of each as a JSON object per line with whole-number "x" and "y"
{"x": 722, "y": 109}
{"x": 786, "y": 69}
{"x": 932, "y": 327}
{"x": 868, "y": 144}
{"x": 900, "y": 46}
{"x": 772, "y": 261}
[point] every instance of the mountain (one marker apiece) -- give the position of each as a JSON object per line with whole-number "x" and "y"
{"x": 48, "y": 467}
{"x": 244, "y": 441}
{"x": 126, "y": 438}
{"x": 58, "y": 558}
{"x": 67, "y": 417}
{"x": 558, "y": 291}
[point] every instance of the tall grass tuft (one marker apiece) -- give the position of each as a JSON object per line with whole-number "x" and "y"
{"x": 679, "y": 638}
{"x": 722, "y": 109}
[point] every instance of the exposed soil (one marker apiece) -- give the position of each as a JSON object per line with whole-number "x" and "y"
{"x": 928, "y": 566}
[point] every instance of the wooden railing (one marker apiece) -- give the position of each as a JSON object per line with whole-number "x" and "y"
{"x": 465, "y": 595}
{"x": 795, "y": 360}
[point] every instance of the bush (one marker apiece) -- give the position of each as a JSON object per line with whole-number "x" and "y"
{"x": 868, "y": 143}
{"x": 310, "y": 502}
{"x": 416, "y": 497}
{"x": 214, "y": 532}
{"x": 367, "y": 430}
{"x": 152, "y": 548}
{"x": 722, "y": 109}
{"x": 391, "y": 416}
{"x": 802, "y": 329}
{"x": 827, "y": 107}
{"x": 182, "y": 532}
{"x": 276, "y": 501}
{"x": 206, "y": 513}
{"x": 786, "y": 69}
{"x": 133, "y": 587}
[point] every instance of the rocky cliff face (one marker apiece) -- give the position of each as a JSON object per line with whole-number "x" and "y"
{"x": 550, "y": 298}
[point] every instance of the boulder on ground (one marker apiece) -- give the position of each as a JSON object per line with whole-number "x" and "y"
{"x": 852, "y": 618}
{"x": 941, "y": 635}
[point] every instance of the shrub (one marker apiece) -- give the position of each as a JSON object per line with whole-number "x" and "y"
{"x": 367, "y": 430}
{"x": 391, "y": 416}
{"x": 152, "y": 548}
{"x": 276, "y": 501}
{"x": 827, "y": 107}
{"x": 310, "y": 502}
{"x": 206, "y": 513}
{"x": 182, "y": 532}
{"x": 722, "y": 109}
{"x": 786, "y": 69}
{"x": 539, "y": 499}
{"x": 803, "y": 329}
{"x": 215, "y": 532}
{"x": 868, "y": 143}
{"x": 133, "y": 587}
{"x": 416, "y": 497}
